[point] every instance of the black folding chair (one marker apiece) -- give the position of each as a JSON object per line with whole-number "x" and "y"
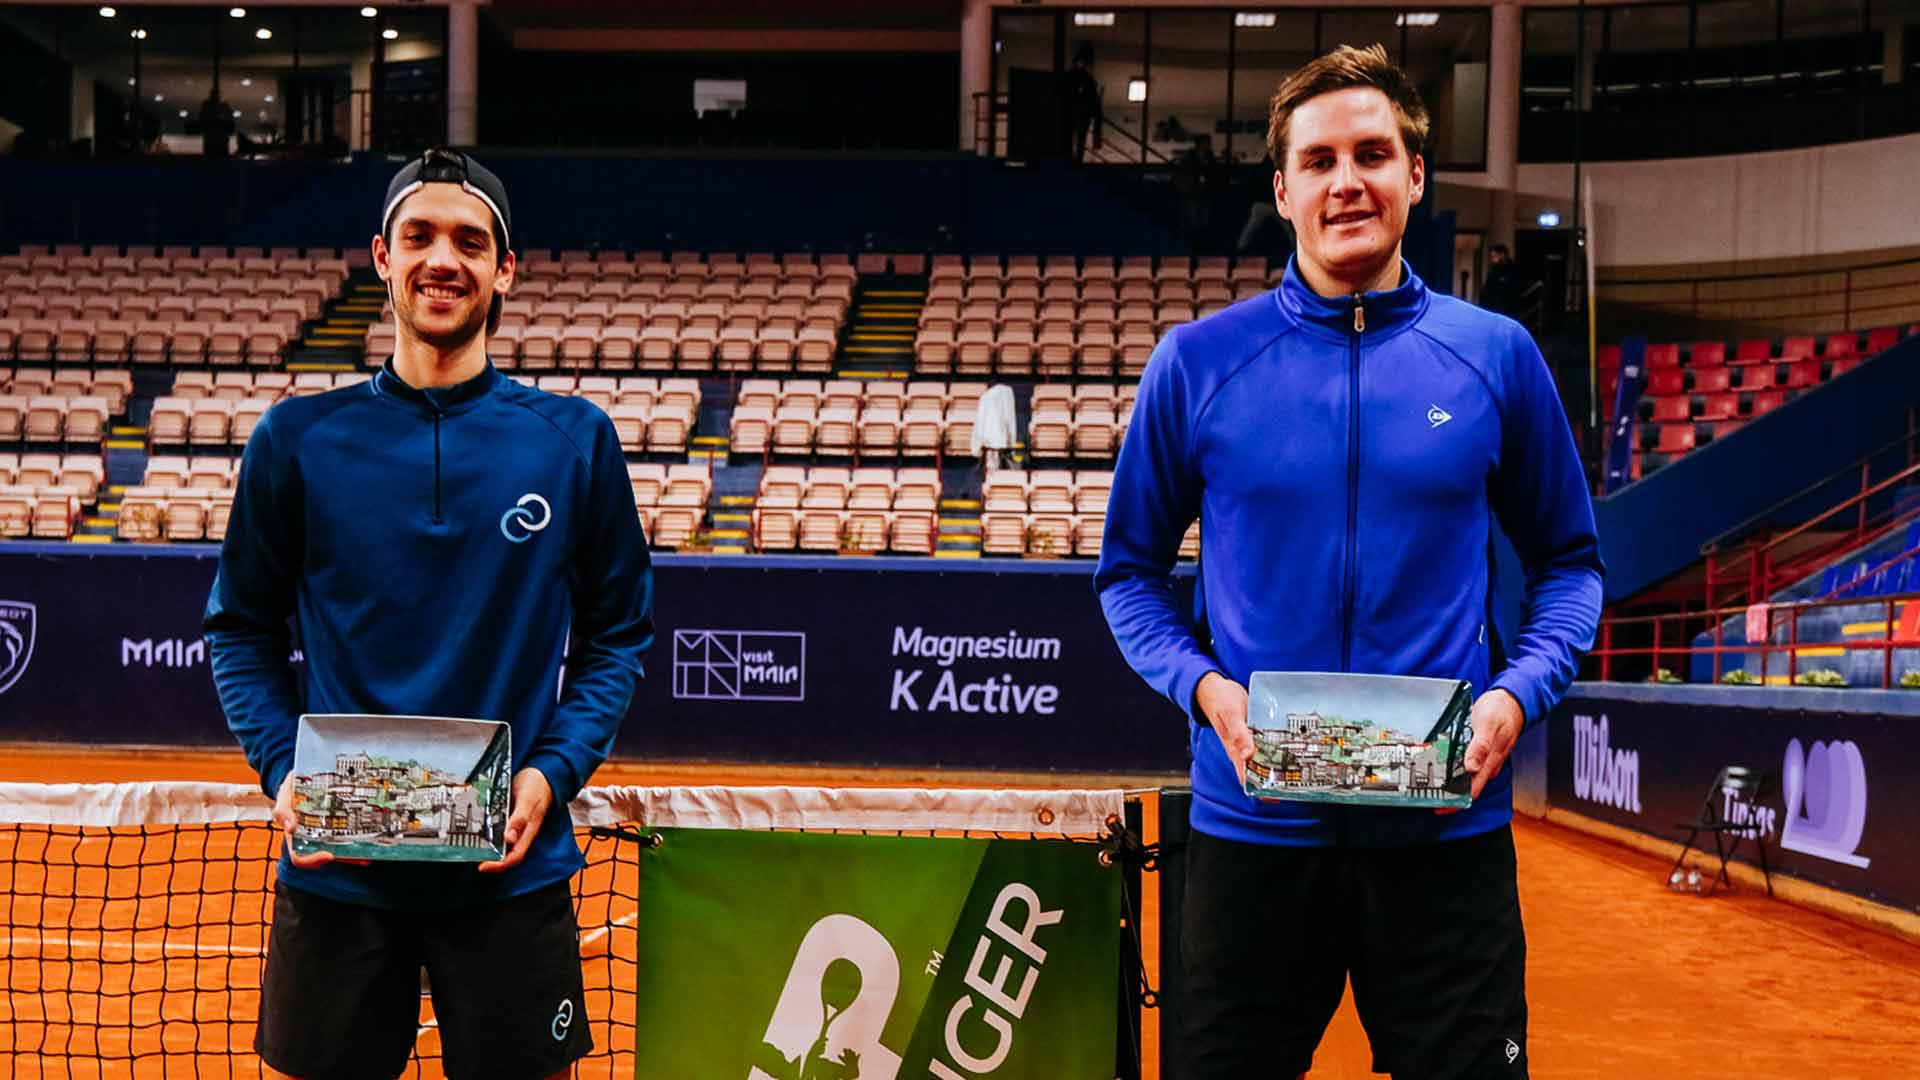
{"x": 1748, "y": 786}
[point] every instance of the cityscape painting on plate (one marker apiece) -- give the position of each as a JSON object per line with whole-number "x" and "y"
{"x": 401, "y": 788}
{"x": 1367, "y": 740}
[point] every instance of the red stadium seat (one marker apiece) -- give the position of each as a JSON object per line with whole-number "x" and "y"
{"x": 1880, "y": 338}
{"x": 1720, "y": 407}
{"x": 1670, "y": 409}
{"x": 1766, "y": 401}
{"x": 1753, "y": 352}
{"x": 1796, "y": 348}
{"x": 1608, "y": 359}
{"x": 1713, "y": 380}
{"x": 1665, "y": 354}
{"x": 1760, "y": 377}
{"x": 1707, "y": 354}
{"x": 1664, "y": 381}
{"x": 1803, "y": 374}
{"x": 1675, "y": 439}
{"x": 1847, "y": 344}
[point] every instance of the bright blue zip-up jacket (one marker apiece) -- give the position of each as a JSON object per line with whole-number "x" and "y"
{"x": 441, "y": 552}
{"x": 1346, "y": 459}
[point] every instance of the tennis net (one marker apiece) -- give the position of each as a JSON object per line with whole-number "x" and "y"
{"x": 135, "y": 916}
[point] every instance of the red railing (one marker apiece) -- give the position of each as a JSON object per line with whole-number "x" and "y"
{"x": 1670, "y": 637}
{"x": 1757, "y": 567}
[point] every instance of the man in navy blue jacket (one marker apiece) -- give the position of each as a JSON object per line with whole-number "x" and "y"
{"x": 448, "y": 542}
{"x": 1347, "y": 442}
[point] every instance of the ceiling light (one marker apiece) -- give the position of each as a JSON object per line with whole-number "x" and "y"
{"x": 1136, "y": 89}
{"x": 1093, "y": 18}
{"x": 246, "y": 82}
{"x": 237, "y": 13}
{"x": 1417, "y": 18}
{"x": 390, "y": 33}
{"x": 368, "y": 13}
{"x": 269, "y": 99}
{"x": 263, "y": 34}
{"x": 107, "y": 13}
{"x": 183, "y": 114}
{"x": 159, "y": 97}
{"x": 1255, "y": 20}
{"x": 236, "y": 114}
{"x": 1549, "y": 219}
{"x": 138, "y": 35}
{"x": 133, "y": 82}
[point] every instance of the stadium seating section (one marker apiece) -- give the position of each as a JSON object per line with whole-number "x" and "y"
{"x": 1698, "y": 393}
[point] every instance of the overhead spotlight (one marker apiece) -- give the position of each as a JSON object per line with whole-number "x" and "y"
{"x": 183, "y": 114}
{"x": 132, "y": 81}
{"x": 159, "y": 97}
{"x": 390, "y": 33}
{"x": 368, "y": 13}
{"x": 1255, "y": 20}
{"x": 1549, "y": 219}
{"x": 1136, "y": 89}
{"x": 138, "y": 35}
{"x": 1093, "y": 18}
{"x": 237, "y": 13}
{"x": 269, "y": 99}
{"x": 1417, "y": 18}
{"x": 236, "y": 114}
{"x": 107, "y": 13}
{"x": 263, "y": 34}
{"x": 246, "y": 82}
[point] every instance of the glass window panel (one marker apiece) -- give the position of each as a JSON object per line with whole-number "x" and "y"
{"x": 1645, "y": 64}
{"x": 1263, "y": 57}
{"x": 1187, "y": 82}
{"x": 1360, "y": 28}
{"x": 1021, "y": 43}
{"x": 1119, "y": 59}
{"x": 1447, "y": 60}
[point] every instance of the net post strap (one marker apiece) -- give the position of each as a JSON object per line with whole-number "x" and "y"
{"x": 1072, "y": 812}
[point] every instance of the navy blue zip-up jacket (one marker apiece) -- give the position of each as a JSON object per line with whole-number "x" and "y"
{"x": 1346, "y": 459}
{"x": 443, "y": 552}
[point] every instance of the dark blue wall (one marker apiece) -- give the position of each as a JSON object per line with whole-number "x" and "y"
{"x": 800, "y": 202}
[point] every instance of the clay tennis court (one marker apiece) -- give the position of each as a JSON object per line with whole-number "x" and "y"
{"x": 1626, "y": 978}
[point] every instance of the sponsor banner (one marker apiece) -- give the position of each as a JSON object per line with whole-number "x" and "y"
{"x": 858, "y": 662}
{"x": 1839, "y": 807}
{"x": 884, "y": 958}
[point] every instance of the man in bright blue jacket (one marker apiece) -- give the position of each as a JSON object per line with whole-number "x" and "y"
{"x": 447, "y": 542}
{"x": 1347, "y": 442}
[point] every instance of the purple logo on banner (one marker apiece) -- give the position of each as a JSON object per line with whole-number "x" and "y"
{"x": 16, "y": 641}
{"x": 1826, "y": 789}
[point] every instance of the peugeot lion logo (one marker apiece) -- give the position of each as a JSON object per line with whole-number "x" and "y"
{"x": 519, "y": 524}
{"x": 16, "y": 641}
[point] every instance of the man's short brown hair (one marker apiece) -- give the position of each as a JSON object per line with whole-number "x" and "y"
{"x": 1342, "y": 69}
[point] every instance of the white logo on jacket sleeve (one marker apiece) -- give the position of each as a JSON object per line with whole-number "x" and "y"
{"x": 519, "y": 524}
{"x": 1437, "y": 416}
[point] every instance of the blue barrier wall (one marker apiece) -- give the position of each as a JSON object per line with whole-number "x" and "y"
{"x": 889, "y": 662}
{"x": 1655, "y": 528}
{"x": 1843, "y": 804}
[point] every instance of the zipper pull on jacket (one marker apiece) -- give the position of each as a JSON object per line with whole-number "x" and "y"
{"x": 1359, "y": 314}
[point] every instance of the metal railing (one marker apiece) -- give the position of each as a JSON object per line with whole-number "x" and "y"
{"x": 1748, "y": 561}
{"x": 1898, "y": 632}
{"x": 990, "y": 136}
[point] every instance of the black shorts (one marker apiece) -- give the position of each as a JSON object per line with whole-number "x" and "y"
{"x": 341, "y": 995}
{"x": 1430, "y": 936}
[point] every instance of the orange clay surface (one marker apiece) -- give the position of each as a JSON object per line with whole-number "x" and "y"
{"x": 1626, "y": 979}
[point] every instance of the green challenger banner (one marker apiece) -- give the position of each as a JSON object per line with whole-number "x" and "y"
{"x": 788, "y": 956}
